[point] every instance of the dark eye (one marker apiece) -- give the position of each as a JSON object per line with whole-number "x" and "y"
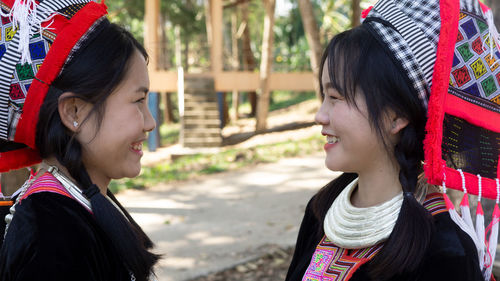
{"x": 141, "y": 100}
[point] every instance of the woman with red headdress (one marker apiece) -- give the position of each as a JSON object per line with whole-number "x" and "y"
{"x": 73, "y": 92}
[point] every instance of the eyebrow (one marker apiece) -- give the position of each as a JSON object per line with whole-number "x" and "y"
{"x": 143, "y": 90}
{"x": 328, "y": 85}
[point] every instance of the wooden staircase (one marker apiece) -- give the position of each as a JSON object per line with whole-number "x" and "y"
{"x": 201, "y": 122}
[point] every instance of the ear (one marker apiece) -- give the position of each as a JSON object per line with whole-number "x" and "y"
{"x": 72, "y": 111}
{"x": 397, "y": 124}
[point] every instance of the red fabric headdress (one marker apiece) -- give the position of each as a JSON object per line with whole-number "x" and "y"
{"x": 39, "y": 38}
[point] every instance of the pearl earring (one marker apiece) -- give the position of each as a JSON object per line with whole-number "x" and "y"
{"x": 75, "y": 124}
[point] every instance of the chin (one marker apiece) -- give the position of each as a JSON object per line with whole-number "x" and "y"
{"x": 132, "y": 172}
{"x": 335, "y": 166}
{"x": 332, "y": 165}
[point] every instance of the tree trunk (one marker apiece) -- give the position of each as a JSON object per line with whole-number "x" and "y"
{"x": 248, "y": 57}
{"x": 312, "y": 35}
{"x": 164, "y": 58}
{"x": 356, "y": 13}
{"x": 235, "y": 59}
{"x": 186, "y": 55}
{"x": 13, "y": 180}
{"x": 265, "y": 66}
{"x": 208, "y": 21}
{"x": 168, "y": 117}
{"x": 495, "y": 7}
{"x": 178, "y": 46}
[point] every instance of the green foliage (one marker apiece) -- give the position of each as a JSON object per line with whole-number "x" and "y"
{"x": 290, "y": 49}
{"x": 128, "y": 13}
{"x": 188, "y": 14}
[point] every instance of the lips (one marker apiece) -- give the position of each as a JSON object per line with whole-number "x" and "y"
{"x": 137, "y": 146}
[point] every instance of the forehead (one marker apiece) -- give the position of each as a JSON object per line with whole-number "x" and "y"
{"x": 137, "y": 69}
{"x": 325, "y": 78}
{"x": 136, "y": 75}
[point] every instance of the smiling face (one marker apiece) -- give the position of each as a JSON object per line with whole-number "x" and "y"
{"x": 352, "y": 144}
{"x": 115, "y": 150}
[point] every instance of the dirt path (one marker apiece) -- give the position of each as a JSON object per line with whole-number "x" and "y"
{"x": 216, "y": 222}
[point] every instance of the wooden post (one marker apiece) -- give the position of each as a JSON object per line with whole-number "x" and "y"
{"x": 152, "y": 20}
{"x": 216, "y": 47}
{"x": 265, "y": 66}
{"x": 236, "y": 59}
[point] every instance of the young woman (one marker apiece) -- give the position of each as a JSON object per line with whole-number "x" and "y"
{"x": 90, "y": 126}
{"x": 378, "y": 221}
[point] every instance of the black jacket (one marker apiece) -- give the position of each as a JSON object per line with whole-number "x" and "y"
{"x": 452, "y": 254}
{"x": 52, "y": 237}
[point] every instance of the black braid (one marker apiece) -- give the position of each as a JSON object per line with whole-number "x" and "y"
{"x": 411, "y": 236}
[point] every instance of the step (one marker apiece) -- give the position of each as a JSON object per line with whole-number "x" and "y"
{"x": 201, "y": 122}
{"x": 201, "y": 126}
{"x": 198, "y": 83}
{"x": 201, "y": 114}
{"x": 204, "y": 107}
{"x": 202, "y": 131}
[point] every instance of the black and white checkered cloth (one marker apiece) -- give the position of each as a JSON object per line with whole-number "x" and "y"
{"x": 411, "y": 33}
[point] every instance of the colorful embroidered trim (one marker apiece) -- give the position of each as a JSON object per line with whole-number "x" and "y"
{"x": 332, "y": 263}
{"x": 46, "y": 183}
{"x": 435, "y": 204}
{"x": 475, "y": 68}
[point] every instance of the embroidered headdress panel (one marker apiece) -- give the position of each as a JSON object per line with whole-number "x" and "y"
{"x": 36, "y": 39}
{"x": 449, "y": 52}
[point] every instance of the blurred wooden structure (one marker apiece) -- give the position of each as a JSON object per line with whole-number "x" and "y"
{"x": 225, "y": 81}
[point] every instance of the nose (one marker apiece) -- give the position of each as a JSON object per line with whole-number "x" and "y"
{"x": 321, "y": 117}
{"x": 149, "y": 121}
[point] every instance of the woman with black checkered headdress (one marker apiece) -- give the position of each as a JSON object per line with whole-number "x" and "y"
{"x": 415, "y": 88}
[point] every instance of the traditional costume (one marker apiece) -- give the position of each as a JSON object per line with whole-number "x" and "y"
{"x": 448, "y": 51}
{"x": 51, "y": 232}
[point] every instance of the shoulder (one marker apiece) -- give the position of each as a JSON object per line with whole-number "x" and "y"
{"x": 54, "y": 213}
{"x": 448, "y": 239}
{"x": 54, "y": 235}
{"x": 451, "y": 255}
{"x": 50, "y": 219}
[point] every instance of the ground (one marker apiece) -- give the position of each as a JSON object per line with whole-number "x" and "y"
{"x": 270, "y": 267}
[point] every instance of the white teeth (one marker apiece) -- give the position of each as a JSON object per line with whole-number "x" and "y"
{"x": 137, "y": 146}
{"x": 332, "y": 139}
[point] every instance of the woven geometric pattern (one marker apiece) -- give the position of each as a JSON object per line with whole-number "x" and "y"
{"x": 332, "y": 263}
{"x": 16, "y": 78}
{"x": 476, "y": 67}
{"x": 470, "y": 148}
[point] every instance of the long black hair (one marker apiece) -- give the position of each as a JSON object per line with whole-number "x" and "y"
{"x": 359, "y": 64}
{"x": 94, "y": 70}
